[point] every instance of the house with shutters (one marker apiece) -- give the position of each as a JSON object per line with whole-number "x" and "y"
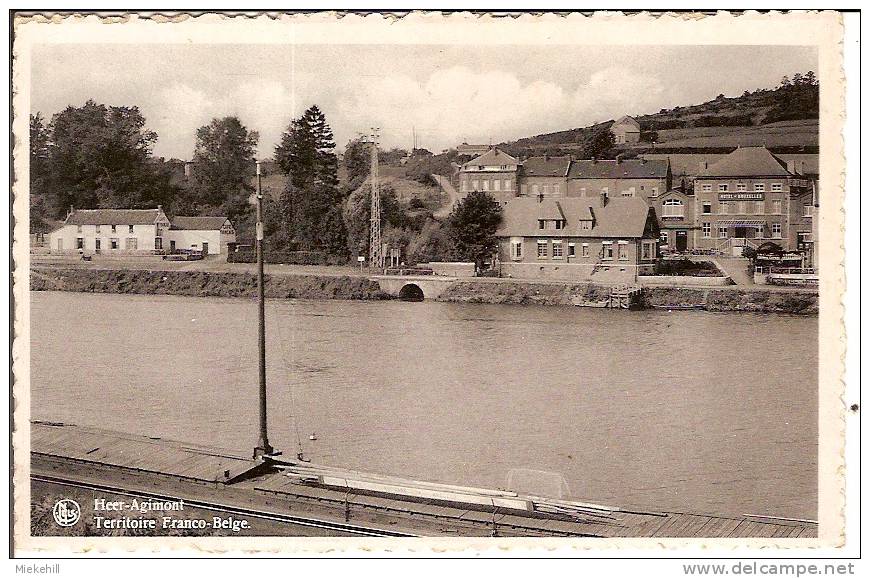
{"x": 138, "y": 232}
{"x": 625, "y": 130}
{"x": 119, "y": 231}
{"x": 577, "y": 238}
{"x": 494, "y": 172}
{"x": 752, "y": 198}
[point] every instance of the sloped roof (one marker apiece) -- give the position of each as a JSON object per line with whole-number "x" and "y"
{"x": 620, "y": 218}
{"x": 626, "y": 122}
{"x": 611, "y": 169}
{"x": 747, "y": 162}
{"x": 492, "y": 157}
{"x": 546, "y": 166}
{"x": 113, "y": 217}
{"x": 198, "y": 223}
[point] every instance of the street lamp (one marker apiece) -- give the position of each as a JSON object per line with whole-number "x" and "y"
{"x": 263, "y": 448}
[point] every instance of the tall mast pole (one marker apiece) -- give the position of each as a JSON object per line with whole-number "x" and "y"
{"x": 376, "y": 252}
{"x": 263, "y": 448}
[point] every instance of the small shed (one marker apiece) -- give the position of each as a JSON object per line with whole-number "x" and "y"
{"x": 209, "y": 235}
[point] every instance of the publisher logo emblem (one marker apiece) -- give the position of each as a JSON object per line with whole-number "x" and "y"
{"x": 66, "y": 512}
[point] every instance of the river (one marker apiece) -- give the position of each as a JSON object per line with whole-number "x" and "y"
{"x": 683, "y": 411}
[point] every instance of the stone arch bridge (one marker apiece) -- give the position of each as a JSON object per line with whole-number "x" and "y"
{"x": 413, "y": 287}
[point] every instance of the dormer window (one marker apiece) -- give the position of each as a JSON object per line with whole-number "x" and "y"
{"x": 586, "y": 225}
{"x": 558, "y": 224}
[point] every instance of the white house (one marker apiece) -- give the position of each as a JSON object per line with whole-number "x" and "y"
{"x": 207, "y": 234}
{"x": 625, "y": 130}
{"x": 111, "y": 231}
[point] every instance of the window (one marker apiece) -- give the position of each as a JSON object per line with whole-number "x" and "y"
{"x": 80, "y": 243}
{"x": 584, "y": 250}
{"x": 558, "y": 223}
{"x": 113, "y": 229}
{"x": 654, "y": 192}
{"x": 672, "y": 208}
{"x": 113, "y": 243}
{"x": 97, "y": 229}
{"x": 158, "y": 242}
{"x": 622, "y": 250}
{"x": 605, "y": 191}
{"x": 542, "y": 249}
{"x": 663, "y": 237}
{"x": 758, "y": 187}
{"x": 741, "y": 208}
{"x": 516, "y": 250}
{"x": 628, "y": 193}
{"x": 540, "y": 224}
{"x": 776, "y": 187}
{"x": 759, "y": 207}
{"x": 556, "y": 189}
{"x": 705, "y": 230}
{"x": 463, "y": 186}
{"x": 557, "y": 250}
{"x": 485, "y": 185}
{"x": 507, "y": 185}
{"x": 707, "y": 188}
{"x": 535, "y": 190}
{"x": 723, "y": 232}
{"x": 582, "y": 191}
{"x": 586, "y": 225}
{"x": 759, "y": 231}
{"x": 607, "y": 250}
{"x": 723, "y": 188}
{"x": 776, "y": 230}
{"x": 131, "y": 228}
{"x": 808, "y": 210}
{"x": 648, "y": 250}
{"x": 707, "y": 208}
{"x": 496, "y": 185}
{"x": 131, "y": 243}
{"x": 571, "y": 250}
{"x": 776, "y": 207}
{"x": 79, "y": 229}
{"x": 545, "y": 189}
{"x": 741, "y": 187}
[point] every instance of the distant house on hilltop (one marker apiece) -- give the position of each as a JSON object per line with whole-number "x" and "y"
{"x": 471, "y": 149}
{"x": 625, "y": 130}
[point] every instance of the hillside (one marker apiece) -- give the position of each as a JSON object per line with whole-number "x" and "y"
{"x": 784, "y": 119}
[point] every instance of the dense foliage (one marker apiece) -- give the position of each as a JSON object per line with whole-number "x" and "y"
{"x": 472, "y": 226}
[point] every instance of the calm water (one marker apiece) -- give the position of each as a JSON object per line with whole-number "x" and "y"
{"x": 684, "y": 410}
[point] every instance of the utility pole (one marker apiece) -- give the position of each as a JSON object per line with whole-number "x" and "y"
{"x": 263, "y": 448}
{"x": 376, "y": 251}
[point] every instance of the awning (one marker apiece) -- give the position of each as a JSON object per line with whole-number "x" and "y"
{"x": 741, "y": 222}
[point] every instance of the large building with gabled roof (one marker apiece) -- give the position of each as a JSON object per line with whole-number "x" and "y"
{"x": 494, "y": 172}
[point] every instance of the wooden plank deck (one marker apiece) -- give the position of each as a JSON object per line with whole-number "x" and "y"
{"x": 184, "y": 460}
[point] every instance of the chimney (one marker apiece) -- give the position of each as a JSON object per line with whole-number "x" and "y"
{"x": 603, "y": 199}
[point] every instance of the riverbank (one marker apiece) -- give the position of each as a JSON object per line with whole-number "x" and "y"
{"x": 493, "y": 291}
{"x": 203, "y": 284}
{"x": 703, "y": 298}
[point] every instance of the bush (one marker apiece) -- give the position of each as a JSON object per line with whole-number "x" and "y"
{"x": 287, "y": 257}
{"x": 687, "y": 268}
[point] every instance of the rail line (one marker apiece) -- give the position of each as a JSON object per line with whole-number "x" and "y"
{"x": 216, "y": 507}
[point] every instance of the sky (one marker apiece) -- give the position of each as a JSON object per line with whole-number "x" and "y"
{"x": 448, "y": 94}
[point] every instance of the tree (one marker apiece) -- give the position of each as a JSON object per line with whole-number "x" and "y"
{"x": 100, "y": 156}
{"x": 785, "y": 82}
{"x": 357, "y": 163}
{"x": 601, "y": 143}
{"x": 223, "y": 163}
{"x": 810, "y": 78}
{"x": 472, "y": 226}
{"x": 39, "y": 159}
{"x": 357, "y": 215}
{"x": 312, "y": 200}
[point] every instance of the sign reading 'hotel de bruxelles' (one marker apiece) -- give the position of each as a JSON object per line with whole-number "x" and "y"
{"x": 741, "y": 196}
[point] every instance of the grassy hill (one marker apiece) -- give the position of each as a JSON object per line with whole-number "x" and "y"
{"x": 784, "y": 119}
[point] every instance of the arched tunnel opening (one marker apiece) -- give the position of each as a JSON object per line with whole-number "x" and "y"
{"x": 411, "y": 292}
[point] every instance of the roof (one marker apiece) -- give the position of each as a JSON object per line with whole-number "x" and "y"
{"x": 747, "y": 162}
{"x": 546, "y": 166}
{"x": 198, "y": 223}
{"x": 113, "y": 217}
{"x": 626, "y": 122}
{"x": 623, "y": 217}
{"x": 626, "y": 169}
{"x": 492, "y": 157}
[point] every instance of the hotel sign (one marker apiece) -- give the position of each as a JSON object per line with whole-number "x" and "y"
{"x": 741, "y": 196}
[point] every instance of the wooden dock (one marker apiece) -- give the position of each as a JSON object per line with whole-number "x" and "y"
{"x": 375, "y": 501}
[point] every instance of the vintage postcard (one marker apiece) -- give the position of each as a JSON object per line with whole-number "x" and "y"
{"x": 427, "y": 282}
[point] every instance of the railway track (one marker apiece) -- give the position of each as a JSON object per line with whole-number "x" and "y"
{"x": 223, "y": 508}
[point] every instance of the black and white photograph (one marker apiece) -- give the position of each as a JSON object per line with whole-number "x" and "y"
{"x": 373, "y": 280}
